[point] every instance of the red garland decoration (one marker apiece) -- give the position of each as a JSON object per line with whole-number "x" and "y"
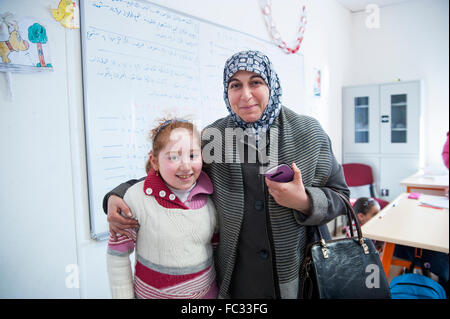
{"x": 275, "y": 34}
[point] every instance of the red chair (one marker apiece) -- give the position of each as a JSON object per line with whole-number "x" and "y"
{"x": 357, "y": 175}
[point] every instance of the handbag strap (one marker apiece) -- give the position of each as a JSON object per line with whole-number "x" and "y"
{"x": 351, "y": 218}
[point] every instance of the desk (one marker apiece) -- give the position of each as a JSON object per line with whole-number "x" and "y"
{"x": 404, "y": 222}
{"x": 426, "y": 184}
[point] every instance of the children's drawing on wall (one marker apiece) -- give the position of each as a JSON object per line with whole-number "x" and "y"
{"x": 67, "y": 14}
{"x": 38, "y": 35}
{"x": 317, "y": 82}
{"x": 13, "y": 43}
{"x": 318, "y": 91}
{"x": 23, "y": 45}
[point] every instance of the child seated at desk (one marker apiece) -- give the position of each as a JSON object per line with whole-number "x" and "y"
{"x": 365, "y": 208}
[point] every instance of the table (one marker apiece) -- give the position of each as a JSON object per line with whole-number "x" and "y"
{"x": 426, "y": 183}
{"x": 404, "y": 222}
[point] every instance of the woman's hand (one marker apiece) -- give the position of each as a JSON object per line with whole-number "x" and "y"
{"x": 117, "y": 223}
{"x": 292, "y": 194}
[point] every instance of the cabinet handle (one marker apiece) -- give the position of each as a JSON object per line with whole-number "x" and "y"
{"x": 384, "y": 118}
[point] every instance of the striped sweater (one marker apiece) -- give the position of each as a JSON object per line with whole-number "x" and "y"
{"x": 173, "y": 244}
{"x": 302, "y": 140}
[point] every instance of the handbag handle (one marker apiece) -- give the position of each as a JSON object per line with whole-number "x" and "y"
{"x": 351, "y": 218}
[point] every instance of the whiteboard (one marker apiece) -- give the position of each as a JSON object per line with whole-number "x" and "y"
{"x": 142, "y": 62}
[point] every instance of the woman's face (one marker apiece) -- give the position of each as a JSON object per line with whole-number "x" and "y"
{"x": 248, "y": 95}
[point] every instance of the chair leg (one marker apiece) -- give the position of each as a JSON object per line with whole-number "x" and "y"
{"x": 386, "y": 258}
{"x": 372, "y": 190}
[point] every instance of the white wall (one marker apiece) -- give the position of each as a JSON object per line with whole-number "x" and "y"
{"x": 43, "y": 201}
{"x": 411, "y": 44}
{"x": 37, "y": 199}
{"x": 327, "y": 47}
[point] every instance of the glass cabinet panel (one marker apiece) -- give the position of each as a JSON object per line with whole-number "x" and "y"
{"x": 361, "y": 119}
{"x": 398, "y": 118}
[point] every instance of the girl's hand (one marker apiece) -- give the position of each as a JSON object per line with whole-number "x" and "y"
{"x": 292, "y": 194}
{"x": 117, "y": 223}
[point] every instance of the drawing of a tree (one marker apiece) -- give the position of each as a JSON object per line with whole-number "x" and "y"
{"x": 38, "y": 35}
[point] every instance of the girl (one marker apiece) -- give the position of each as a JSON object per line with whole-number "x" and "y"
{"x": 365, "y": 209}
{"x": 177, "y": 221}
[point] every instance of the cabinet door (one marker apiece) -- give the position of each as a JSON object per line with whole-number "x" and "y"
{"x": 399, "y": 122}
{"x": 360, "y": 119}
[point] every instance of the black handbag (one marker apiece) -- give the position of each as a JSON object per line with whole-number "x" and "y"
{"x": 343, "y": 268}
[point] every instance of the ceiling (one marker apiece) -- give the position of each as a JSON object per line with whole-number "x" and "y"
{"x": 360, "y": 5}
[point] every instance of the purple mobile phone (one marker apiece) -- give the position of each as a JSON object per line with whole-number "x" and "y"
{"x": 281, "y": 173}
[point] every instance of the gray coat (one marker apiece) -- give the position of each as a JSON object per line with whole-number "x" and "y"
{"x": 302, "y": 140}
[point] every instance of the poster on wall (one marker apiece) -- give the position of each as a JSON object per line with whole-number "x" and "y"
{"x": 317, "y": 82}
{"x": 23, "y": 45}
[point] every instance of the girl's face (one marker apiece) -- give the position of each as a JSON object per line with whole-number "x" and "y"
{"x": 369, "y": 215}
{"x": 248, "y": 95}
{"x": 180, "y": 161}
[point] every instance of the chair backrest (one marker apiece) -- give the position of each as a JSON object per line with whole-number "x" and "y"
{"x": 357, "y": 174}
{"x": 383, "y": 203}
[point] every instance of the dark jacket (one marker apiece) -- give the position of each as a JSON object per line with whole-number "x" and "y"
{"x": 293, "y": 138}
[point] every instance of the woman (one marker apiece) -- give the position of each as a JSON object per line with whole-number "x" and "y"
{"x": 263, "y": 224}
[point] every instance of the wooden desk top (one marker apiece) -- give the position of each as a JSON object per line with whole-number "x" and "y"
{"x": 421, "y": 180}
{"x": 404, "y": 222}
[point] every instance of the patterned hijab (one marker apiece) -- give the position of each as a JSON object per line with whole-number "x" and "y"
{"x": 257, "y": 62}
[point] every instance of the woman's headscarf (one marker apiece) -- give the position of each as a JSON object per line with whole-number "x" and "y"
{"x": 257, "y": 62}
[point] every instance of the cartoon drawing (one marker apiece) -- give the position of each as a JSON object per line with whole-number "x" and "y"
{"x": 14, "y": 43}
{"x": 23, "y": 55}
{"x": 66, "y": 14}
{"x": 38, "y": 35}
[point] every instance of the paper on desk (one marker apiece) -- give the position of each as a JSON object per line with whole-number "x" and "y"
{"x": 436, "y": 201}
{"x": 439, "y": 179}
